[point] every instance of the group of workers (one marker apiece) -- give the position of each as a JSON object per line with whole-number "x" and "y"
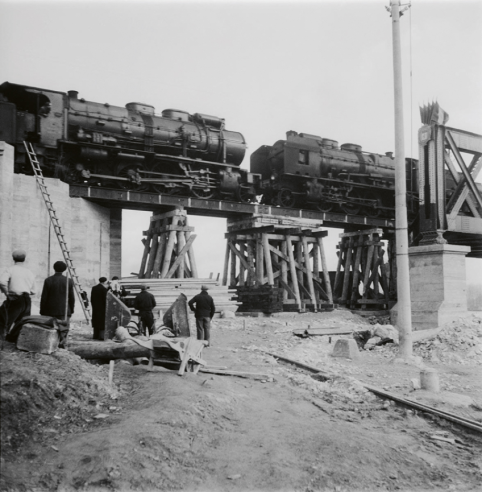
{"x": 58, "y": 301}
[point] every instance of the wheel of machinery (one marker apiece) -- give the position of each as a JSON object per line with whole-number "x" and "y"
{"x": 351, "y": 208}
{"x": 132, "y": 181}
{"x": 286, "y": 198}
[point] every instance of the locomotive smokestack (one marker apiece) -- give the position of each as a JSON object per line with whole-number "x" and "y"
{"x": 73, "y": 94}
{"x": 389, "y": 154}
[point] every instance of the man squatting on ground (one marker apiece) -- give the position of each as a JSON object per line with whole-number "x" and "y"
{"x": 145, "y": 303}
{"x": 55, "y": 300}
{"x": 18, "y": 284}
{"x": 204, "y": 312}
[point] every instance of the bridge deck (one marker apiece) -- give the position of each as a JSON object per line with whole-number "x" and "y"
{"x": 218, "y": 208}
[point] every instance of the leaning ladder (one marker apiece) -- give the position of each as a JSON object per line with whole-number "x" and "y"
{"x": 55, "y": 222}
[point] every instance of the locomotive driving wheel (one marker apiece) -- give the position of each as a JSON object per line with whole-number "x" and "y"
{"x": 325, "y": 206}
{"x": 286, "y": 198}
{"x": 349, "y": 207}
{"x": 244, "y": 194}
{"x": 204, "y": 193}
{"x": 372, "y": 210}
{"x": 132, "y": 181}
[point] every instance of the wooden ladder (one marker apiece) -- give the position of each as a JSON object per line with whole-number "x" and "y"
{"x": 56, "y": 225}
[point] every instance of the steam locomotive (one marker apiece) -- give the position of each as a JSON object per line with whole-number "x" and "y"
{"x": 131, "y": 148}
{"x": 309, "y": 171}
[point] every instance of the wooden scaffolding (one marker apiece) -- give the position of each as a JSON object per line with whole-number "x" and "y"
{"x": 168, "y": 251}
{"x": 362, "y": 277}
{"x": 290, "y": 258}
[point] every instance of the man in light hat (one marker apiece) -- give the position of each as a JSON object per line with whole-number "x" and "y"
{"x": 55, "y": 300}
{"x": 145, "y": 303}
{"x": 18, "y": 284}
{"x": 204, "y": 312}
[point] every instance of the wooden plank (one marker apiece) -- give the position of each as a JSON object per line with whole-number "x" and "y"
{"x": 365, "y": 232}
{"x": 239, "y": 374}
{"x": 169, "y": 214}
{"x": 180, "y": 256}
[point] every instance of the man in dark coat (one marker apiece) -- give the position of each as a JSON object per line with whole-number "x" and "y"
{"x": 204, "y": 312}
{"x": 145, "y": 303}
{"x": 98, "y": 300}
{"x": 55, "y": 300}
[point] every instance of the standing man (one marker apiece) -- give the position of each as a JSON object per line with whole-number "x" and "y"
{"x": 57, "y": 298}
{"x": 145, "y": 303}
{"x": 18, "y": 284}
{"x": 98, "y": 300}
{"x": 204, "y": 313}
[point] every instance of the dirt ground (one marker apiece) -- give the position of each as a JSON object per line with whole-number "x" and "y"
{"x": 64, "y": 428}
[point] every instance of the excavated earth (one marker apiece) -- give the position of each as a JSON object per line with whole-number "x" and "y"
{"x": 64, "y": 428}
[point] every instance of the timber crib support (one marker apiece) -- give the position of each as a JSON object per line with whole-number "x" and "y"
{"x": 168, "y": 251}
{"x": 360, "y": 261}
{"x": 279, "y": 256}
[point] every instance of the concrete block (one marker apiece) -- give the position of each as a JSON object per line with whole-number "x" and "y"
{"x": 346, "y": 348}
{"x": 33, "y": 338}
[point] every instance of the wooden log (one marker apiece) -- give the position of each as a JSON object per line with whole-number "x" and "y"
{"x": 267, "y": 259}
{"x": 346, "y": 278}
{"x": 226, "y": 264}
{"x": 309, "y": 275}
{"x": 145, "y": 255}
{"x": 169, "y": 249}
{"x": 191, "y": 256}
{"x": 284, "y": 272}
{"x": 316, "y": 269}
{"x": 324, "y": 266}
{"x": 250, "y": 247}
{"x": 107, "y": 350}
{"x": 356, "y": 270}
{"x": 294, "y": 278}
{"x": 259, "y": 261}
{"x": 243, "y": 267}
{"x": 159, "y": 254}
{"x": 181, "y": 241}
{"x": 239, "y": 374}
{"x": 232, "y": 247}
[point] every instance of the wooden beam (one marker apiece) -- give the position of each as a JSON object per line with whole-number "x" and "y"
{"x": 242, "y": 259}
{"x": 309, "y": 275}
{"x": 326, "y": 274}
{"x": 169, "y": 249}
{"x": 294, "y": 278}
{"x": 267, "y": 258}
{"x": 252, "y": 230}
{"x": 226, "y": 264}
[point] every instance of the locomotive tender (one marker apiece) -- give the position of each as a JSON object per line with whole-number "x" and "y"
{"x": 132, "y": 148}
{"x": 178, "y": 153}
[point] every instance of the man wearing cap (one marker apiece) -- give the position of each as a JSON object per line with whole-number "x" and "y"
{"x": 98, "y": 299}
{"x": 145, "y": 303}
{"x": 204, "y": 312}
{"x": 18, "y": 284}
{"x": 57, "y": 298}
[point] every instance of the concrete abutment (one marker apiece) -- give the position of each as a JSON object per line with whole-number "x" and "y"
{"x": 92, "y": 232}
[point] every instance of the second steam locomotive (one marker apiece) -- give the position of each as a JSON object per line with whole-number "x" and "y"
{"x": 186, "y": 154}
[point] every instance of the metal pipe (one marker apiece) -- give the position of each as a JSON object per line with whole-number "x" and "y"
{"x": 404, "y": 321}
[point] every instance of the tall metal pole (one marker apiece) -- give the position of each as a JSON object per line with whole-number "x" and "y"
{"x": 404, "y": 322}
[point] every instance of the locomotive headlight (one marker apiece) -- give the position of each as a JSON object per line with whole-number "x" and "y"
{"x": 273, "y": 177}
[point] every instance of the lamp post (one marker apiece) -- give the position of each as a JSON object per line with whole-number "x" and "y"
{"x": 404, "y": 321}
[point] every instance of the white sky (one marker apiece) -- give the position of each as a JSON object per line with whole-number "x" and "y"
{"x": 320, "y": 67}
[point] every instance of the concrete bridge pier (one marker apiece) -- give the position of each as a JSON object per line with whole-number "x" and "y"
{"x": 438, "y": 285}
{"x": 92, "y": 232}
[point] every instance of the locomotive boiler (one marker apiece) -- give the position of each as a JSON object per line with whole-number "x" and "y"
{"x": 310, "y": 171}
{"x": 127, "y": 147}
